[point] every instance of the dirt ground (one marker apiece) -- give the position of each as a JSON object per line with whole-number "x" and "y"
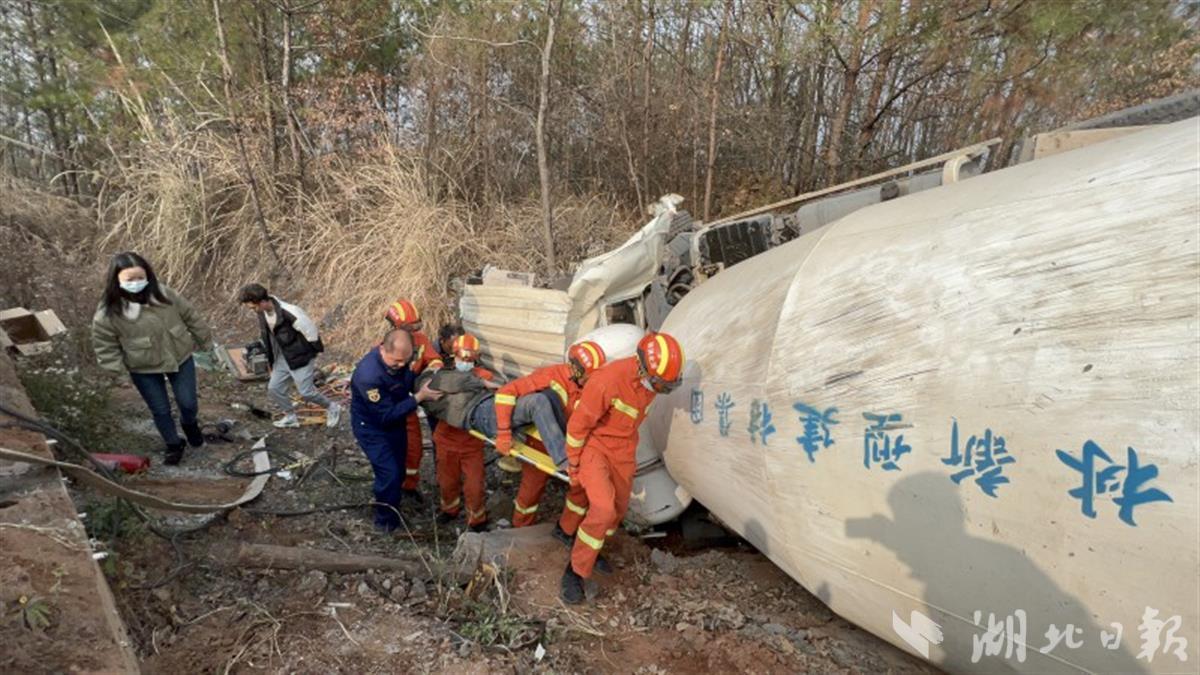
{"x": 48, "y": 585}
{"x": 667, "y": 608}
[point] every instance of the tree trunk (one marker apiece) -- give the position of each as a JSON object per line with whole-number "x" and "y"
{"x": 633, "y": 175}
{"x": 849, "y": 89}
{"x": 482, "y": 127}
{"x": 866, "y": 130}
{"x": 264, "y": 63}
{"x": 431, "y": 121}
{"x": 64, "y": 136}
{"x": 681, "y": 99}
{"x": 553, "y": 7}
{"x": 285, "y": 84}
{"x": 713, "y": 98}
{"x": 227, "y": 73}
{"x": 41, "y": 64}
{"x": 648, "y": 69}
{"x": 804, "y": 178}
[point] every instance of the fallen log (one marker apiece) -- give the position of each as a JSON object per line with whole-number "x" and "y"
{"x": 269, "y": 556}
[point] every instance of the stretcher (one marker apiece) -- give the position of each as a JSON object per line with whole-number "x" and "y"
{"x": 539, "y": 460}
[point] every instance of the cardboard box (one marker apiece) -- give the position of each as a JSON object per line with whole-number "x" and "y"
{"x": 27, "y": 332}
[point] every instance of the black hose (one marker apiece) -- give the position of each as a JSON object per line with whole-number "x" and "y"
{"x": 230, "y": 467}
{"x": 33, "y": 424}
{"x": 181, "y": 564}
{"x": 46, "y": 429}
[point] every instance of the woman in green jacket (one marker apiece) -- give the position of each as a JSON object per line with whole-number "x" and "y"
{"x": 149, "y": 330}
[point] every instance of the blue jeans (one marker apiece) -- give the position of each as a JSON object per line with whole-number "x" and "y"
{"x": 540, "y": 409}
{"x": 153, "y": 388}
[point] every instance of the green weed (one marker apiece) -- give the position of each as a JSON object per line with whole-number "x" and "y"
{"x": 72, "y": 400}
{"x": 35, "y": 612}
{"x": 111, "y": 519}
{"x": 484, "y": 624}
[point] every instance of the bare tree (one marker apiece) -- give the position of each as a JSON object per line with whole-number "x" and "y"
{"x": 851, "y": 68}
{"x": 227, "y": 81}
{"x": 552, "y": 11}
{"x": 713, "y": 97}
{"x": 285, "y": 84}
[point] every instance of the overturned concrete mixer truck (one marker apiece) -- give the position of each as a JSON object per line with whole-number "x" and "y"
{"x": 960, "y": 407}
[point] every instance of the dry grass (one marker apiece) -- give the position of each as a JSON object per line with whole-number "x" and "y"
{"x": 182, "y": 200}
{"x": 367, "y": 230}
{"x": 52, "y": 220}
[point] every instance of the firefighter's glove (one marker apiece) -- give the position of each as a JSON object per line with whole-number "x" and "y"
{"x": 504, "y": 441}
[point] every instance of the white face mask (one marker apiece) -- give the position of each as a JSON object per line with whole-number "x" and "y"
{"x": 135, "y": 286}
{"x": 464, "y": 366}
{"x": 647, "y": 385}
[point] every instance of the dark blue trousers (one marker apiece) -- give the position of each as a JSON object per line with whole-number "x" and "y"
{"x": 153, "y": 388}
{"x": 387, "y": 451}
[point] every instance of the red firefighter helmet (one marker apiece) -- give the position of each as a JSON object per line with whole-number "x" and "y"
{"x": 661, "y": 359}
{"x": 583, "y": 358}
{"x": 466, "y": 347}
{"x": 404, "y": 314}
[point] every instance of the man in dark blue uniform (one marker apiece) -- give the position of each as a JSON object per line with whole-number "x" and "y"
{"x": 381, "y": 400}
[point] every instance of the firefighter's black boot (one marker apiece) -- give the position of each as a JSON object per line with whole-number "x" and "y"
{"x": 572, "y": 586}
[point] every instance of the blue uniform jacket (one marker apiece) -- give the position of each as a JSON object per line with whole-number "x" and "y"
{"x": 380, "y": 400}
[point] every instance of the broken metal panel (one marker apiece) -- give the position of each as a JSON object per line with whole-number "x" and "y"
{"x": 734, "y": 242}
{"x": 521, "y": 329}
{"x": 624, "y": 272}
{"x": 656, "y": 497}
{"x": 726, "y": 243}
{"x": 1031, "y": 304}
{"x": 494, "y": 276}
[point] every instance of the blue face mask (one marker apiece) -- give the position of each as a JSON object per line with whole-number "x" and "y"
{"x": 463, "y": 366}
{"x": 136, "y": 286}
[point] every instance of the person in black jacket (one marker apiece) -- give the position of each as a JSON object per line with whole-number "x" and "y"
{"x": 292, "y": 343}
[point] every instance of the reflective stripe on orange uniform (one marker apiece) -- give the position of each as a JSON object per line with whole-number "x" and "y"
{"x": 574, "y": 509}
{"x": 602, "y": 437}
{"x": 425, "y": 356}
{"x": 529, "y": 495}
{"x": 556, "y": 378}
{"x": 460, "y": 468}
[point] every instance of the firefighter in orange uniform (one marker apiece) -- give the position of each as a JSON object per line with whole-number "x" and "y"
{"x": 562, "y": 384}
{"x": 602, "y": 438}
{"x": 460, "y": 470}
{"x": 403, "y": 315}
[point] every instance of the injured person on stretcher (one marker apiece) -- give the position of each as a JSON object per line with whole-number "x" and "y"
{"x": 469, "y": 403}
